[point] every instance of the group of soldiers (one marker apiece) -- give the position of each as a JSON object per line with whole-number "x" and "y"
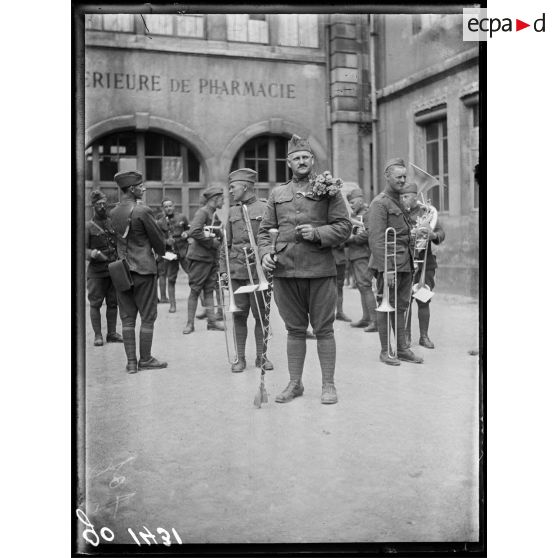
{"x": 299, "y": 240}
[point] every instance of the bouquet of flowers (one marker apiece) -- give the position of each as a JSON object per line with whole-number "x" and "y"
{"x": 324, "y": 185}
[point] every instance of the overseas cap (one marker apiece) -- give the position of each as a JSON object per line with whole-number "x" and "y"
{"x": 409, "y": 188}
{"x": 356, "y": 193}
{"x": 245, "y": 175}
{"x": 97, "y": 195}
{"x": 296, "y": 143}
{"x": 211, "y": 192}
{"x": 394, "y": 162}
{"x": 125, "y": 179}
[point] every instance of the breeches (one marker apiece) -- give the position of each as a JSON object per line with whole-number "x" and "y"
{"x": 141, "y": 298}
{"x": 171, "y": 268}
{"x": 202, "y": 275}
{"x": 301, "y": 301}
{"x": 99, "y": 289}
{"x": 249, "y": 301}
{"x": 363, "y": 277}
{"x": 404, "y": 279}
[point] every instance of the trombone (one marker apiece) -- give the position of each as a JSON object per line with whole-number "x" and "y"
{"x": 390, "y": 252}
{"x": 232, "y": 307}
{"x": 263, "y": 283}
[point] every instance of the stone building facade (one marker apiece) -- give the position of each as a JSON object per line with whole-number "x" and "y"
{"x": 187, "y": 98}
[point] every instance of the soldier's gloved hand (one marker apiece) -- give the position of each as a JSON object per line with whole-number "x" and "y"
{"x": 268, "y": 263}
{"x": 390, "y": 279}
{"x": 308, "y": 232}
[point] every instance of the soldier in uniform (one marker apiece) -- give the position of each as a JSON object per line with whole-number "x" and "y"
{"x": 436, "y": 235}
{"x": 203, "y": 259}
{"x": 175, "y": 227}
{"x": 100, "y": 250}
{"x": 386, "y": 211}
{"x": 138, "y": 237}
{"x": 339, "y": 253}
{"x": 304, "y": 272}
{"x": 359, "y": 256}
{"x": 241, "y": 183}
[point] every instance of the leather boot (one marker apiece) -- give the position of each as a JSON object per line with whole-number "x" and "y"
{"x": 172, "y": 297}
{"x": 294, "y": 389}
{"x": 424, "y": 322}
{"x": 239, "y": 366}
{"x": 95, "y": 315}
{"x": 365, "y": 320}
{"x": 163, "y": 289}
{"x": 192, "y": 305}
{"x": 383, "y": 324}
{"x": 403, "y": 351}
{"x": 296, "y": 353}
{"x": 151, "y": 364}
{"x": 408, "y": 356}
{"x": 267, "y": 364}
{"x": 425, "y": 342}
{"x": 129, "y": 336}
{"x": 212, "y": 323}
{"x": 370, "y": 301}
{"x": 114, "y": 337}
{"x": 341, "y": 316}
{"x": 112, "y": 317}
{"x": 329, "y": 394}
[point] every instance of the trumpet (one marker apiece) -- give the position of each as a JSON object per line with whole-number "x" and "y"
{"x": 209, "y": 231}
{"x": 390, "y": 252}
{"x": 358, "y": 224}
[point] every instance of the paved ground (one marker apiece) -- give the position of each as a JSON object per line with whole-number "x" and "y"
{"x": 395, "y": 460}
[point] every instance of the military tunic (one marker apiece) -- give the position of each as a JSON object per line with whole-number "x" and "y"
{"x": 173, "y": 226}
{"x": 359, "y": 253}
{"x": 237, "y": 240}
{"x": 386, "y": 211}
{"x": 203, "y": 252}
{"x": 414, "y": 214}
{"x": 144, "y": 237}
{"x": 305, "y": 273}
{"x": 100, "y": 236}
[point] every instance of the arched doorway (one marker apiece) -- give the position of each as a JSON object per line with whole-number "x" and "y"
{"x": 267, "y": 155}
{"x": 170, "y": 169}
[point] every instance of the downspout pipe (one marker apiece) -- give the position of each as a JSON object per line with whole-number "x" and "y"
{"x": 373, "y": 104}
